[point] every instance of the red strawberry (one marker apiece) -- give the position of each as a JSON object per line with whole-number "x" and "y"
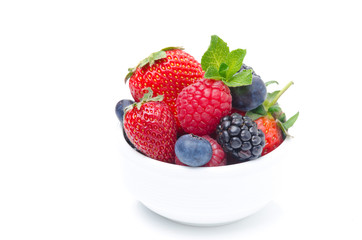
{"x": 272, "y": 120}
{"x": 151, "y": 127}
{"x": 201, "y": 105}
{"x": 218, "y": 156}
{"x": 273, "y": 134}
{"x": 167, "y": 72}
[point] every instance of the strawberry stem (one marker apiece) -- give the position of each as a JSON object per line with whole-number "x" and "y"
{"x": 147, "y": 97}
{"x": 281, "y": 93}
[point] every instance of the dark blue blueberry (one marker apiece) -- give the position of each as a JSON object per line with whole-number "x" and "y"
{"x": 246, "y": 98}
{"x": 193, "y": 151}
{"x": 245, "y": 67}
{"x": 120, "y": 108}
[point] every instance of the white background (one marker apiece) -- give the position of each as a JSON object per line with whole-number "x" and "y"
{"x": 62, "y": 65}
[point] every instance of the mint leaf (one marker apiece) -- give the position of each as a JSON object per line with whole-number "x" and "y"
{"x": 290, "y": 122}
{"x": 260, "y": 110}
{"x": 212, "y": 73}
{"x": 235, "y": 60}
{"x": 271, "y": 82}
{"x": 241, "y": 79}
{"x": 253, "y": 115}
{"x": 215, "y": 54}
{"x": 223, "y": 69}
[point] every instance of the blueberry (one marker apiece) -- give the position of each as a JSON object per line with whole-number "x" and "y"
{"x": 246, "y": 98}
{"x": 245, "y": 67}
{"x": 193, "y": 151}
{"x": 120, "y": 108}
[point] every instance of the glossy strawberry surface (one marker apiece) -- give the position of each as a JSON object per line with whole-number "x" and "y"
{"x": 273, "y": 133}
{"x": 167, "y": 77}
{"x": 152, "y": 129}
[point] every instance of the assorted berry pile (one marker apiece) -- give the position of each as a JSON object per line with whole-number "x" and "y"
{"x": 207, "y": 114}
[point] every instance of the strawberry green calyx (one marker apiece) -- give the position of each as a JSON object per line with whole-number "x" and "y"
{"x": 147, "y": 97}
{"x": 271, "y": 109}
{"x": 150, "y": 60}
{"x": 221, "y": 64}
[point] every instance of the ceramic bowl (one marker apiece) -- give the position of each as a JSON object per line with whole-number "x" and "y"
{"x": 202, "y": 196}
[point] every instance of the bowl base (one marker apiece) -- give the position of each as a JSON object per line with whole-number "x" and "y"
{"x": 197, "y": 224}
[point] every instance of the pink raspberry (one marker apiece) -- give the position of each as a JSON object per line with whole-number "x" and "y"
{"x": 218, "y": 156}
{"x": 201, "y": 105}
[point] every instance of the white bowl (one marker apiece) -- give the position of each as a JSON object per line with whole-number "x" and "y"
{"x": 203, "y": 196}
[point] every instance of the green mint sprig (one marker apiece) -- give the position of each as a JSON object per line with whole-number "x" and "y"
{"x": 221, "y": 64}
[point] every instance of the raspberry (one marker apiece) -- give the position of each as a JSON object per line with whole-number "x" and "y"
{"x": 218, "y": 156}
{"x": 240, "y": 137}
{"x": 201, "y": 105}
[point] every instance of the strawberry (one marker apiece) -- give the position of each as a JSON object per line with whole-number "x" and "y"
{"x": 272, "y": 120}
{"x": 273, "y": 134}
{"x": 201, "y": 105}
{"x": 151, "y": 127}
{"x": 167, "y": 72}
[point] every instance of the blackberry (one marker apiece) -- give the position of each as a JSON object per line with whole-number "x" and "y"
{"x": 240, "y": 137}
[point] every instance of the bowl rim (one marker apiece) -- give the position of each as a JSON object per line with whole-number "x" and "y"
{"x": 160, "y": 164}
